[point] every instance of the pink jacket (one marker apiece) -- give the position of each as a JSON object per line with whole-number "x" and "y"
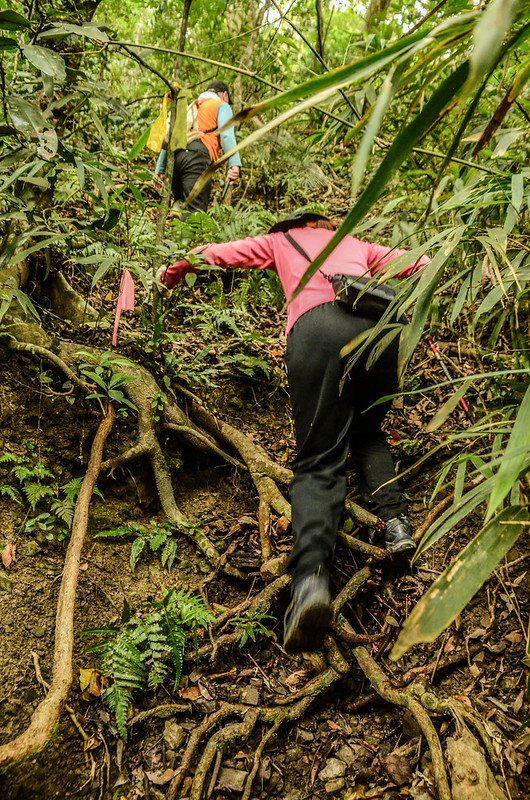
{"x": 273, "y": 251}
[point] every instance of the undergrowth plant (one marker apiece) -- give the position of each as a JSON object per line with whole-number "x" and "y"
{"x": 252, "y": 625}
{"x": 158, "y": 537}
{"x": 33, "y": 486}
{"x": 147, "y": 647}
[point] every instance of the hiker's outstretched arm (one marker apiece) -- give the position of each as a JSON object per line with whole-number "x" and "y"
{"x": 250, "y": 253}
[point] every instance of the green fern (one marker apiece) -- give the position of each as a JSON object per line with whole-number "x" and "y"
{"x": 136, "y": 656}
{"x": 158, "y": 535}
{"x": 35, "y": 492}
{"x": 9, "y": 491}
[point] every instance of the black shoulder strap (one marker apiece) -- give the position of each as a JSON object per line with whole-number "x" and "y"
{"x": 297, "y": 246}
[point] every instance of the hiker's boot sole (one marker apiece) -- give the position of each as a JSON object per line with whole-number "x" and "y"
{"x": 306, "y": 631}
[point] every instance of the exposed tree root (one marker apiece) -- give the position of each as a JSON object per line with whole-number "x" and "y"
{"x": 405, "y": 698}
{"x": 47, "y": 712}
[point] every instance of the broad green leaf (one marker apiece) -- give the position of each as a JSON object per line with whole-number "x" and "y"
{"x": 13, "y": 21}
{"x": 138, "y": 146}
{"x": 455, "y": 587}
{"x": 6, "y": 43}
{"x": 88, "y": 29}
{"x": 515, "y": 455}
{"x": 25, "y": 116}
{"x": 46, "y": 61}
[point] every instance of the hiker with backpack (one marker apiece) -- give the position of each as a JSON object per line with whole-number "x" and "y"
{"x": 201, "y": 145}
{"x": 333, "y": 413}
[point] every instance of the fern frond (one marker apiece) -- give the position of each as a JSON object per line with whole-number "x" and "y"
{"x": 169, "y": 553}
{"x": 119, "y": 701}
{"x": 136, "y": 551}
{"x": 156, "y": 648}
{"x": 9, "y": 458}
{"x": 35, "y": 492}
{"x": 158, "y": 539}
{"x": 131, "y": 529}
{"x": 176, "y": 638}
{"x": 63, "y": 510}
{"x": 11, "y": 492}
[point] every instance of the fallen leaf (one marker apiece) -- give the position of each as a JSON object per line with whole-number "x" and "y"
{"x": 160, "y": 778}
{"x": 514, "y": 636}
{"x": 8, "y": 554}
{"x": 397, "y": 768}
{"x": 191, "y": 693}
{"x": 282, "y": 525}
{"x": 92, "y": 683}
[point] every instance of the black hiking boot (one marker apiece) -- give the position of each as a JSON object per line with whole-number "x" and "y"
{"x": 308, "y": 615}
{"x": 396, "y": 539}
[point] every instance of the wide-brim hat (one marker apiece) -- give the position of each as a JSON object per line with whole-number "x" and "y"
{"x": 296, "y": 220}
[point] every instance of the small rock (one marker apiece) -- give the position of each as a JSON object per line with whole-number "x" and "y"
{"x": 293, "y": 754}
{"x": 205, "y": 706}
{"x": 249, "y": 695}
{"x": 174, "y": 734}
{"x": 5, "y": 583}
{"x": 397, "y": 768}
{"x": 273, "y": 568}
{"x": 265, "y": 769}
{"x": 331, "y": 787}
{"x": 347, "y": 754}
{"x": 304, "y": 735}
{"x": 335, "y": 768}
{"x": 233, "y": 779}
{"x": 29, "y": 547}
{"x": 39, "y": 631}
{"x": 294, "y": 794}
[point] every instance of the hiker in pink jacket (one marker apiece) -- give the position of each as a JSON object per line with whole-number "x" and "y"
{"x": 330, "y": 420}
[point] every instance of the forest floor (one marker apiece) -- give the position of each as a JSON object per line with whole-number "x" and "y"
{"x": 347, "y": 743}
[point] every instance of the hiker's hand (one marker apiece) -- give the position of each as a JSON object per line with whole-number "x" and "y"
{"x": 160, "y": 285}
{"x": 158, "y": 182}
{"x": 174, "y": 274}
{"x": 233, "y": 174}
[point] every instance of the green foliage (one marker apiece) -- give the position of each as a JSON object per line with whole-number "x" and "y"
{"x": 138, "y": 654}
{"x": 102, "y": 372}
{"x": 252, "y": 625}
{"x": 158, "y": 537}
{"x": 37, "y": 488}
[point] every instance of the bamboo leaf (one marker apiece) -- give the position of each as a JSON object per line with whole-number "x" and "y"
{"x": 379, "y": 110}
{"x": 488, "y": 36}
{"x": 138, "y": 146}
{"x": 397, "y": 153}
{"x": 514, "y": 458}
{"x": 455, "y": 587}
{"x": 447, "y": 408}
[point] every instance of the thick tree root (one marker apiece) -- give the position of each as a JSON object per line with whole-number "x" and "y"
{"x": 405, "y": 698}
{"x": 45, "y": 716}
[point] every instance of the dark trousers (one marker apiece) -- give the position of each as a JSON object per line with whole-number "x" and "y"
{"x": 188, "y": 167}
{"x": 329, "y": 422}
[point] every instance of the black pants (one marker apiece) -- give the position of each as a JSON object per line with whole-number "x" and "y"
{"x": 329, "y": 422}
{"x": 188, "y": 167}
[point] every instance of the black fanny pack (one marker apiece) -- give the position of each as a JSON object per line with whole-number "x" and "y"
{"x": 358, "y": 293}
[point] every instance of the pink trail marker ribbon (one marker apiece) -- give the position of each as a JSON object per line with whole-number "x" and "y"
{"x": 125, "y": 302}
